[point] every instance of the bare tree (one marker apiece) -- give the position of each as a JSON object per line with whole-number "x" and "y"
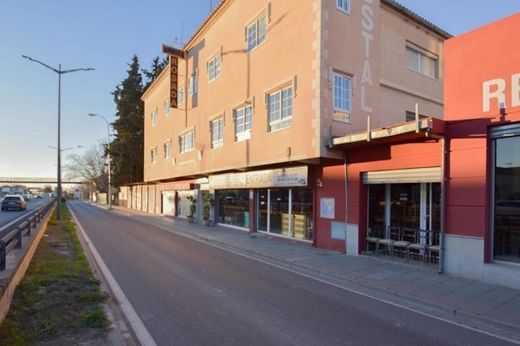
{"x": 89, "y": 166}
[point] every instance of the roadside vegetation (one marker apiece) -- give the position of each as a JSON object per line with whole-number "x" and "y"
{"x": 58, "y": 302}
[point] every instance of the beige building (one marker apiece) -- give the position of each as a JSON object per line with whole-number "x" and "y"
{"x": 245, "y": 115}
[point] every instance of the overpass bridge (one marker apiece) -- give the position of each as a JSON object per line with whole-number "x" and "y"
{"x": 36, "y": 180}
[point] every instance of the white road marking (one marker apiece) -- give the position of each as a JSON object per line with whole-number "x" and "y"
{"x": 351, "y": 290}
{"x": 140, "y": 330}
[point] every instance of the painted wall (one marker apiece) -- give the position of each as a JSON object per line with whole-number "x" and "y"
{"x": 477, "y": 63}
{"x": 482, "y": 70}
{"x": 369, "y": 44}
{"x": 306, "y": 42}
{"x": 284, "y": 58}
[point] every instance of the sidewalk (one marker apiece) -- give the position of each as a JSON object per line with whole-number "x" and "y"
{"x": 490, "y": 308}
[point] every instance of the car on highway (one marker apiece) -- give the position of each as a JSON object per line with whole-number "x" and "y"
{"x": 13, "y": 202}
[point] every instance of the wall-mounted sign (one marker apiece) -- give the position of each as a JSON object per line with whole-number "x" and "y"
{"x": 327, "y": 208}
{"x": 174, "y": 80}
{"x": 284, "y": 177}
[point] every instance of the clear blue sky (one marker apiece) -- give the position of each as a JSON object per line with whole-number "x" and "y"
{"x": 104, "y": 34}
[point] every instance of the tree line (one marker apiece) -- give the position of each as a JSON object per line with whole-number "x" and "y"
{"x": 127, "y": 145}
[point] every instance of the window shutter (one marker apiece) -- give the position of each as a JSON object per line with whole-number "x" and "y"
{"x": 295, "y": 85}
{"x": 269, "y": 12}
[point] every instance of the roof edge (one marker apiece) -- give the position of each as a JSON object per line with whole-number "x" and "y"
{"x": 417, "y": 18}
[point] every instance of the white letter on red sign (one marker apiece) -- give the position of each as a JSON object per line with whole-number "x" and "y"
{"x": 498, "y": 93}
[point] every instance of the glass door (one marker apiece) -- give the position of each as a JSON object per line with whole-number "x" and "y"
{"x": 279, "y": 218}
{"x": 263, "y": 209}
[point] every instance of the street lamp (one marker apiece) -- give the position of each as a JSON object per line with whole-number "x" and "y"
{"x": 71, "y": 148}
{"x": 59, "y": 71}
{"x": 109, "y": 157}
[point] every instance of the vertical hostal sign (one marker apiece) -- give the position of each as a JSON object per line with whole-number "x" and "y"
{"x": 174, "y": 65}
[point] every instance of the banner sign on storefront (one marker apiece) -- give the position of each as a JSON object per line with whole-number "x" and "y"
{"x": 284, "y": 177}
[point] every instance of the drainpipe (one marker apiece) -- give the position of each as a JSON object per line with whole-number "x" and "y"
{"x": 443, "y": 203}
{"x": 345, "y": 172}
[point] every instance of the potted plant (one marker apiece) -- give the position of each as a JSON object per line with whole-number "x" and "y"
{"x": 193, "y": 208}
{"x": 207, "y": 203}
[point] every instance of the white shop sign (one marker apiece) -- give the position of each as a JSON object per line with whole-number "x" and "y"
{"x": 283, "y": 177}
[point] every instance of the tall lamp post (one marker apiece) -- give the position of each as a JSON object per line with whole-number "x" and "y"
{"x": 109, "y": 157}
{"x": 59, "y": 71}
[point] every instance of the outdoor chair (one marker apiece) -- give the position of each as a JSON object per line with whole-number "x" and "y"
{"x": 377, "y": 233}
{"x": 407, "y": 236}
{"x": 416, "y": 246}
{"x": 434, "y": 248}
{"x": 387, "y": 243}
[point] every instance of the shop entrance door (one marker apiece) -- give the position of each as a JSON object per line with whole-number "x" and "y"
{"x": 412, "y": 206}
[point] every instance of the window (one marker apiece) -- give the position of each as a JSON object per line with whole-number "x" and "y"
{"x": 280, "y": 108}
{"x": 217, "y": 132}
{"x": 166, "y": 105}
{"x": 180, "y": 95}
{"x": 243, "y": 123}
{"x": 213, "y": 67}
{"x": 153, "y": 155}
{"x": 192, "y": 84}
{"x": 167, "y": 147}
{"x": 343, "y": 5}
{"x": 421, "y": 61}
{"x": 153, "y": 117}
{"x": 186, "y": 142}
{"x": 506, "y": 204}
{"x": 256, "y": 32}
{"x": 342, "y": 94}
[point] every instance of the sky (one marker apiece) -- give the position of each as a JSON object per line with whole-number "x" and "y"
{"x": 105, "y": 34}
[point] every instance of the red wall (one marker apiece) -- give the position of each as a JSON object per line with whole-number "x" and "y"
{"x": 363, "y": 159}
{"x": 488, "y": 53}
{"x": 332, "y": 180}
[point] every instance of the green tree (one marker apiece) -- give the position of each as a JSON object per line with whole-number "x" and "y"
{"x": 128, "y": 145}
{"x": 158, "y": 65}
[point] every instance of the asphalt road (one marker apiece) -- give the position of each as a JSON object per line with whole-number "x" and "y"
{"x": 10, "y": 215}
{"x": 190, "y": 293}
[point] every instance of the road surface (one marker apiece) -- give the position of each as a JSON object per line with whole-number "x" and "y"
{"x": 190, "y": 293}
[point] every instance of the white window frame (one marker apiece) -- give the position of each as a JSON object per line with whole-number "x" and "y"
{"x": 284, "y": 121}
{"x": 167, "y": 148}
{"x": 345, "y": 100}
{"x": 180, "y": 94}
{"x": 153, "y": 155}
{"x": 254, "y": 40}
{"x": 219, "y": 140}
{"x": 166, "y": 105}
{"x": 213, "y": 66}
{"x": 343, "y": 6}
{"x": 184, "y": 145}
{"x": 154, "y": 117}
{"x": 422, "y": 54}
{"x": 193, "y": 84}
{"x": 245, "y": 131}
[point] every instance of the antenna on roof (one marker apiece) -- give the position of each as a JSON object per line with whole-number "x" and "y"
{"x": 182, "y": 33}
{"x": 210, "y": 5}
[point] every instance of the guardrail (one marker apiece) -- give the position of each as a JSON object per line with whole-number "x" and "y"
{"x": 12, "y": 238}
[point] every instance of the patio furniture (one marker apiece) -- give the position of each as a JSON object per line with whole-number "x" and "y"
{"x": 406, "y": 236}
{"x": 387, "y": 243}
{"x": 377, "y": 232}
{"x": 416, "y": 245}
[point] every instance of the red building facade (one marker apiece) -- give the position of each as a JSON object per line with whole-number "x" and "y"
{"x": 456, "y": 182}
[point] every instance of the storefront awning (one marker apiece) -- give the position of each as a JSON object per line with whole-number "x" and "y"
{"x": 402, "y": 132}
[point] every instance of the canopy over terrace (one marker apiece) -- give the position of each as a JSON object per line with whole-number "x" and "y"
{"x": 402, "y": 132}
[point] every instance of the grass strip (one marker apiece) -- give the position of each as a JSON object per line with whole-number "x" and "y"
{"x": 58, "y": 301}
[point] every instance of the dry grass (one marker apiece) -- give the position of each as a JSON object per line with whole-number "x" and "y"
{"x": 58, "y": 302}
